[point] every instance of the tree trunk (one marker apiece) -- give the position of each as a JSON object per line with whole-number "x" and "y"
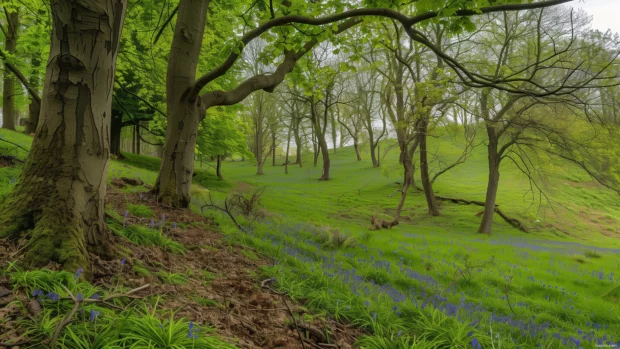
{"x": 273, "y": 149}
{"x": 326, "y": 162}
{"x": 288, "y": 145}
{"x": 138, "y": 139}
{"x": 8, "y": 95}
{"x": 373, "y": 155}
{"x": 357, "y": 150}
{"x": 218, "y": 169}
{"x": 334, "y": 131}
{"x": 59, "y": 197}
{"x": 174, "y": 181}
{"x": 407, "y": 177}
{"x": 431, "y": 202}
{"x": 34, "y": 108}
{"x": 298, "y": 144}
{"x": 486, "y": 226}
{"x": 115, "y": 133}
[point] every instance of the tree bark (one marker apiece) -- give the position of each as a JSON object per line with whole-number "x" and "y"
{"x": 431, "y": 202}
{"x": 138, "y": 139}
{"x": 288, "y": 143}
{"x": 298, "y": 144}
{"x": 486, "y": 226}
{"x": 34, "y": 108}
{"x": 174, "y": 181}
{"x": 59, "y": 196}
{"x": 373, "y": 155}
{"x": 273, "y": 148}
{"x": 8, "y": 95}
{"x": 357, "y": 150}
{"x": 218, "y": 169}
{"x": 407, "y": 178}
{"x": 115, "y": 133}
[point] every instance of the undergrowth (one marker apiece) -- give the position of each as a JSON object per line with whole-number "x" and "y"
{"x": 79, "y": 315}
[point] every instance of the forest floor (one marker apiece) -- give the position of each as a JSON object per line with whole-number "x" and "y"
{"x": 190, "y": 268}
{"x": 428, "y": 283}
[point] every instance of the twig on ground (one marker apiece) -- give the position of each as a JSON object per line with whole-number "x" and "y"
{"x": 301, "y": 338}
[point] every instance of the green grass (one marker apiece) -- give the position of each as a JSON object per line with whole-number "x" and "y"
{"x": 493, "y": 283}
{"x": 142, "y": 211}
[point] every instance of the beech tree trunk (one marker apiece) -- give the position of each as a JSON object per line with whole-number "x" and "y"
{"x": 373, "y": 155}
{"x": 357, "y": 150}
{"x": 288, "y": 143}
{"x": 273, "y": 148}
{"x": 298, "y": 159}
{"x": 218, "y": 169}
{"x": 59, "y": 195}
{"x": 115, "y": 133}
{"x": 431, "y": 202}
{"x": 326, "y": 162}
{"x": 174, "y": 181}
{"x": 138, "y": 139}
{"x": 8, "y": 94}
{"x": 407, "y": 178}
{"x": 34, "y": 108}
{"x": 486, "y": 226}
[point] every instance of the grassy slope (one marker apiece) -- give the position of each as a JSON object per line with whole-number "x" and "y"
{"x": 583, "y": 211}
{"x": 546, "y": 274}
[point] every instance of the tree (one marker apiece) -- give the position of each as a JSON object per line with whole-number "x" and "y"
{"x": 539, "y": 53}
{"x": 187, "y": 104}
{"x": 10, "y": 46}
{"x": 60, "y": 192}
{"x": 220, "y": 136}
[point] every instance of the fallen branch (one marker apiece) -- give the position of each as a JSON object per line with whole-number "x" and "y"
{"x": 512, "y": 221}
{"x": 15, "y": 144}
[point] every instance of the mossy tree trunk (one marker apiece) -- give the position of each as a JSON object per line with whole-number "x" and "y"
{"x": 59, "y": 196}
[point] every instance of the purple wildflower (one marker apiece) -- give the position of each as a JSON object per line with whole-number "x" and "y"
{"x": 93, "y": 315}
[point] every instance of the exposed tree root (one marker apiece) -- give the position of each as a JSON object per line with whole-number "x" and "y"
{"x": 512, "y": 221}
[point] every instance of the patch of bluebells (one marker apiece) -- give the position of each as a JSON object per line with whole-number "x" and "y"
{"x": 421, "y": 297}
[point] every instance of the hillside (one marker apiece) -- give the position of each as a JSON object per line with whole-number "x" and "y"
{"x": 429, "y": 282}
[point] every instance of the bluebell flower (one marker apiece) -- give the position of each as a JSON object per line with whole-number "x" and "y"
{"x": 95, "y": 296}
{"x": 78, "y": 273}
{"x": 470, "y": 333}
{"x": 79, "y": 297}
{"x": 93, "y": 315}
{"x": 123, "y": 261}
{"x": 174, "y": 225}
{"x": 475, "y": 344}
{"x": 53, "y": 296}
{"x": 37, "y": 293}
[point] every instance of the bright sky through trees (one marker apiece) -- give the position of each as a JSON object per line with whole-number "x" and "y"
{"x": 604, "y": 12}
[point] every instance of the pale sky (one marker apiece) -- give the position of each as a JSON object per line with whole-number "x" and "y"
{"x": 605, "y": 12}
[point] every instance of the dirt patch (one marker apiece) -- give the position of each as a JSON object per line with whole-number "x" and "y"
{"x": 223, "y": 288}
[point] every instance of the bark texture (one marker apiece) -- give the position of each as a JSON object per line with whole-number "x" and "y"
{"x": 486, "y": 226}
{"x": 8, "y": 93}
{"x": 34, "y": 108}
{"x": 115, "y": 132}
{"x": 59, "y": 195}
{"x": 174, "y": 180}
{"x": 431, "y": 201}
